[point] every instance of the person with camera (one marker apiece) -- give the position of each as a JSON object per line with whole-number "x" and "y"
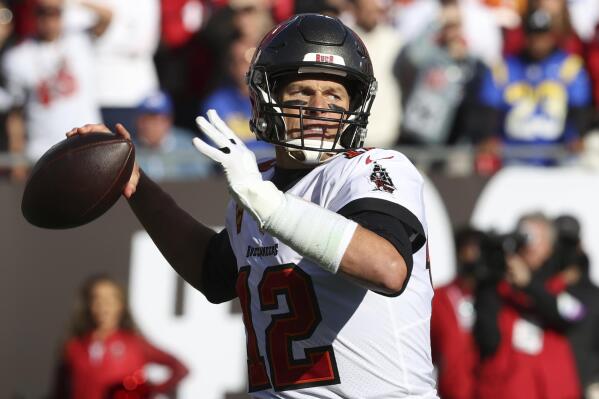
{"x": 524, "y": 315}
{"x": 573, "y": 279}
{"x": 452, "y": 344}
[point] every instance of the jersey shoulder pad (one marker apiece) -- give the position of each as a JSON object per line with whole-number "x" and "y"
{"x": 376, "y": 173}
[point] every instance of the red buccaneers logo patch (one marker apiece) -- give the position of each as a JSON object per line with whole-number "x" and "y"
{"x": 381, "y": 179}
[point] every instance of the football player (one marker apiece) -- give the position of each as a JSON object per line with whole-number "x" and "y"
{"x": 325, "y": 245}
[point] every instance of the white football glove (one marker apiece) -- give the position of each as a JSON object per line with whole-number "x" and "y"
{"x": 309, "y": 229}
{"x": 260, "y": 198}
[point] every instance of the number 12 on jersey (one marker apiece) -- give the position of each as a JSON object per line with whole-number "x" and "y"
{"x": 299, "y": 323}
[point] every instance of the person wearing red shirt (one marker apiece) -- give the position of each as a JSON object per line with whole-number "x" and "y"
{"x": 521, "y": 332}
{"x": 453, "y": 347}
{"x": 106, "y": 355}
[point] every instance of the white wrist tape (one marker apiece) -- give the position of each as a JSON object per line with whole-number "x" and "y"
{"x": 260, "y": 198}
{"x": 313, "y": 231}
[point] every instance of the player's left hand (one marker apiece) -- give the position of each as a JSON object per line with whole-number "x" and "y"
{"x": 257, "y": 196}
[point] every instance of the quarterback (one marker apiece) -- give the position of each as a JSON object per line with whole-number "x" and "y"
{"x": 325, "y": 245}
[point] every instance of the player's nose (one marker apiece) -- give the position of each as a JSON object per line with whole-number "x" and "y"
{"x": 317, "y": 101}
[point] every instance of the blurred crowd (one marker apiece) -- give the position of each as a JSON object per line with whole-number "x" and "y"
{"x": 514, "y": 81}
{"x": 521, "y": 319}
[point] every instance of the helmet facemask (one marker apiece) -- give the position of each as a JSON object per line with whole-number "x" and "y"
{"x": 350, "y": 126}
{"x": 306, "y": 47}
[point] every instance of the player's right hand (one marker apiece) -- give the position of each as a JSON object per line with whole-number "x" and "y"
{"x": 131, "y": 185}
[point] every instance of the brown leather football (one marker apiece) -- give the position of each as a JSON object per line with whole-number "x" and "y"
{"x": 77, "y": 180}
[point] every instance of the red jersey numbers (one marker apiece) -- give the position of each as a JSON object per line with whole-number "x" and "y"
{"x": 298, "y": 323}
{"x": 258, "y": 379}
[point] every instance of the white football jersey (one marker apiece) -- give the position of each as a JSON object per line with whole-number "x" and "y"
{"x": 311, "y": 333}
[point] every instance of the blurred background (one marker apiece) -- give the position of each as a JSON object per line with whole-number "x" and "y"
{"x": 495, "y": 101}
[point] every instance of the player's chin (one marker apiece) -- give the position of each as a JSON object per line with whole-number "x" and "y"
{"x": 310, "y": 158}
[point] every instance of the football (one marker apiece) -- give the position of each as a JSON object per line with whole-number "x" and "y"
{"x": 77, "y": 180}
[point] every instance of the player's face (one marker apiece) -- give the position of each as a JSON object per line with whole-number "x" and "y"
{"x": 106, "y": 305}
{"x": 316, "y": 93}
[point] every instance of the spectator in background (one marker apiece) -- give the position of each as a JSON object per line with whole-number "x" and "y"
{"x": 105, "y": 352}
{"x": 252, "y": 18}
{"x": 440, "y": 81}
{"x": 539, "y": 97}
{"x": 574, "y": 280}
{"x": 567, "y": 37}
{"x": 51, "y": 80}
{"x": 480, "y": 27}
{"x": 520, "y": 334}
{"x": 231, "y": 99}
{"x": 383, "y": 44}
{"x": 189, "y": 71}
{"x": 201, "y": 65}
{"x": 126, "y": 73}
{"x": 453, "y": 347}
{"x": 164, "y": 151}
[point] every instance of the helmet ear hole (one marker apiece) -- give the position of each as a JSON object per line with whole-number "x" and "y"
{"x": 261, "y": 125}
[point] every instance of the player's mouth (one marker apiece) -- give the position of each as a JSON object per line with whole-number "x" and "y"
{"x": 326, "y": 132}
